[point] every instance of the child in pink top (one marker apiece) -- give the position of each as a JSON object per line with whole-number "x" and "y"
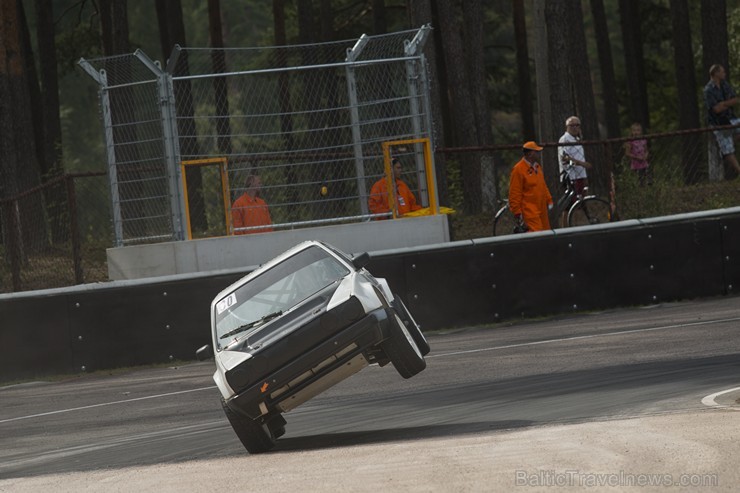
{"x": 637, "y": 151}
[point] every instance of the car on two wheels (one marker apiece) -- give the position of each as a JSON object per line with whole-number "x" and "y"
{"x": 296, "y": 326}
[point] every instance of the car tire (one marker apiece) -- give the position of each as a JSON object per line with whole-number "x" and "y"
{"x": 255, "y": 436}
{"x": 402, "y": 350}
{"x": 410, "y": 324}
{"x": 276, "y": 425}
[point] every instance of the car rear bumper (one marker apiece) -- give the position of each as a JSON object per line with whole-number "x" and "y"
{"x": 313, "y": 371}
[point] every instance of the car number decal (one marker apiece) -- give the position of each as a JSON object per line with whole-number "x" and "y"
{"x": 225, "y": 303}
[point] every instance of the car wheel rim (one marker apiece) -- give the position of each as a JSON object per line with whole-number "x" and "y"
{"x": 409, "y": 337}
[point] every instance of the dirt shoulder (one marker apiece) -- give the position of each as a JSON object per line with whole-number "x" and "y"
{"x": 675, "y": 452}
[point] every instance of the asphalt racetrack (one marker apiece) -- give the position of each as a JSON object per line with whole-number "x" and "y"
{"x": 617, "y": 396}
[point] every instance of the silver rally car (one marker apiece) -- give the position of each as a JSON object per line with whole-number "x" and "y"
{"x": 298, "y": 325}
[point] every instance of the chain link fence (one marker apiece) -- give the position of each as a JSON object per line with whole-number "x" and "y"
{"x": 55, "y": 235}
{"x": 309, "y": 120}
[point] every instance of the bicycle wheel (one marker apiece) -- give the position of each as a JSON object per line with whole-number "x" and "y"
{"x": 503, "y": 222}
{"x": 590, "y": 210}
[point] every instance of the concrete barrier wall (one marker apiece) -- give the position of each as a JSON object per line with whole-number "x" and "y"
{"x": 233, "y": 252}
{"x": 124, "y": 323}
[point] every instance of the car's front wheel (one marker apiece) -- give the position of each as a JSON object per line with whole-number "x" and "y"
{"x": 411, "y": 324}
{"x": 402, "y": 349}
{"x": 254, "y": 435}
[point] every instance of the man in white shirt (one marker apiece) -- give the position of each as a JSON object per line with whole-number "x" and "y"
{"x": 574, "y": 153}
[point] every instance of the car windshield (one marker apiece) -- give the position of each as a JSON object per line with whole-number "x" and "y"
{"x": 277, "y": 290}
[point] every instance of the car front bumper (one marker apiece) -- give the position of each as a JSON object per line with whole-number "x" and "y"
{"x": 318, "y": 368}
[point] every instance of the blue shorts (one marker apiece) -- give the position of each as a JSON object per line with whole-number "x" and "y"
{"x": 725, "y": 138}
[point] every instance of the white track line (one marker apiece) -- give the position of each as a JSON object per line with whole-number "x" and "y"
{"x": 495, "y": 348}
{"x": 590, "y": 336}
{"x": 711, "y": 402}
{"x": 104, "y": 404}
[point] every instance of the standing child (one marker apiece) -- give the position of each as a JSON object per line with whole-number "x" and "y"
{"x": 637, "y": 151}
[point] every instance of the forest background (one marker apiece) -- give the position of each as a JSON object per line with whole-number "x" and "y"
{"x": 503, "y": 71}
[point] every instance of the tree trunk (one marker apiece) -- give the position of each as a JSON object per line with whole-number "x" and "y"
{"x": 714, "y": 35}
{"x": 313, "y": 86}
{"x": 165, "y": 41}
{"x": 331, "y": 95}
{"x": 49, "y": 86}
{"x": 562, "y": 104}
{"x": 188, "y": 138}
{"x": 523, "y": 73}
{"x": 24, "y": 228}
{"x": 421, "y": 13}
{"x": 476, "y": 70}
{"x": 106, "y": 29}
{"x": 380, "y": 25}
{"x": 220, "y": 88}
{"x": 548, "y": 126}
{"x": 629, "y": 15}
{"x": 37, "y": 106}
{"x": 51, "y": 136}
{"x": 284, "y": 97}
{"x": 119, "y": 27}
{"x": 286, "y": 122}
{"x": 114, "y": 35}
{"x": 461, "y": 103}
{"x": 583, "y": 94}
{"x": 570, "y": 86}
{"x": 606, "y": 68}
{"x": 686, "y": 84}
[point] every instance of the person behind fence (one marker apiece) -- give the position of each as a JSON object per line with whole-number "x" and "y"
{"x": 249, "y": 210}
{"x": 637, "y": 152}
{"x": 720, "y": 97}
{"x": 405, "y": 199}
{"x": 574, "y": 154}
{"x": 529, "y": 197}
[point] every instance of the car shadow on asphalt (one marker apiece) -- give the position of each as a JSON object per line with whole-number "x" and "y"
{"x": 368, "y": 437}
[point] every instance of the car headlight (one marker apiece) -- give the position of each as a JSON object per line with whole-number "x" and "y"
{"x": 239, "y": 377}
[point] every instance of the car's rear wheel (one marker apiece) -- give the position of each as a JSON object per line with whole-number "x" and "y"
{"x": 276, "y": 425}
{"x": 402, "y": 350}
{"x": 254, "y": 435}
{"x": 411, "y": 325}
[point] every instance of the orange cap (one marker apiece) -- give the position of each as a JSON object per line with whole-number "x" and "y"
{"x": 532, "y": 146}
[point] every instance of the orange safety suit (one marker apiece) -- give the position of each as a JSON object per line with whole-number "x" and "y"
{"x": 529, "y": 195}
{"x": 378, "y": 200}
{"x": 250, "y": 211}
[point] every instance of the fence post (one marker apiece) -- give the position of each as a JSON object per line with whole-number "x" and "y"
{"x": 171, "y": 140}
{"x": 716, "y": 164}
{"x": 610, "y": 184}
{"x": 489, "y": 198}
{"x": 74, "y": 229}
{"x": 354, "y": 114}
{"x": 13, "y": 244}
{"x": 414, "y": 75}
{"x": 426, "y": 99}
{"x": 102, "y": 79}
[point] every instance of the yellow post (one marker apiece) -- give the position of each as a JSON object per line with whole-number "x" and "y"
{"x": 430, "y": 178}
{"x": 389, "y": 178}
{"x": 222, "y": 166}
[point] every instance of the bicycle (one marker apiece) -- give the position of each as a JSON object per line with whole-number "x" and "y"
{"x": 582, "y": 209}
